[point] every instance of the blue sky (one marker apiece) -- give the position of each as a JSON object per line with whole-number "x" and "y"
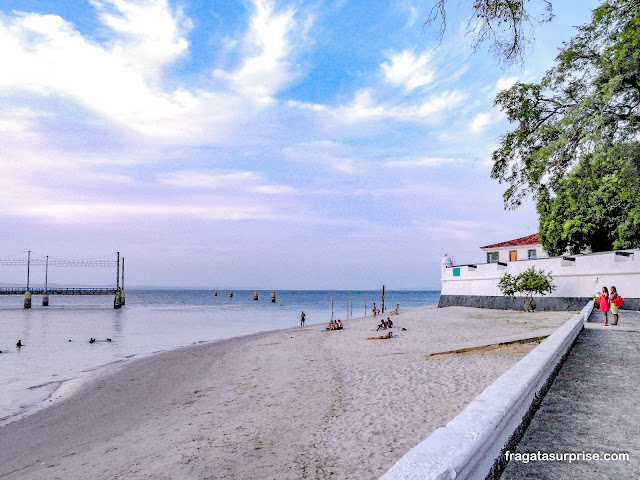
{"x": 258, "y": 144}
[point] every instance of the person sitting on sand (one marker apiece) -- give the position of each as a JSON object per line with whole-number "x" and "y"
{"x": 340, "y": 326}
{"x": 389, "y": 323}
{"x": 382, "y": 337}
{"x": 19, "y": 344}
{"x": 382, "y": 326}
{"x": 92, "y": 340}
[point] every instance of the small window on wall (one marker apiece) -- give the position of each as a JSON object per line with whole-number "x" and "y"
{"x": 532, "y": 254}
{"x": 492, "y": 257}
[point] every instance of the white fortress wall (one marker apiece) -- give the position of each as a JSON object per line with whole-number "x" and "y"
{"x": 577, "y": 278}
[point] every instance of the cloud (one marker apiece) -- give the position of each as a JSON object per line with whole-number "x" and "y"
{"x": 453, "y": 229}
{"x": 427, "y": 162}
{"x": 221, "y": 180}
{"x": 122, "y": 78}
{"x": 364, "y": 107}
{"x": 265, "y": 70}
{"x": 479, "y": 122}
{"x": 505, "y": 83}
{"x": 332, "y": 155}
{"x": 407, "y": 70}
{"x": 150, "y": 34}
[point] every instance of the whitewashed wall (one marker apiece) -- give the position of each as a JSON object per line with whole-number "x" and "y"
{"x": 583, "y": 277}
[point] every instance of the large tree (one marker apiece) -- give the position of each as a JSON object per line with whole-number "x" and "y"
{"x": 575, "y": 148}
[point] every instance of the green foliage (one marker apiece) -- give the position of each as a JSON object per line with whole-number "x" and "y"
{"x": 527, "y": 284}
{"x": 575, "y": 147}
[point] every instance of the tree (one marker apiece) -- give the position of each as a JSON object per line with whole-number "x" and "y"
{"x": 575, "y": 147}
{"x": 597, "y": 206}
{"x": 506, "y": 24}
{"x": 527, "y": 284}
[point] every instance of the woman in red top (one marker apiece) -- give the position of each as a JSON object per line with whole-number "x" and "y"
{"x": 604, "y": 304}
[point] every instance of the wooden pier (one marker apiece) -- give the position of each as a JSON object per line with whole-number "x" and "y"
{"x": 118, "y": 291}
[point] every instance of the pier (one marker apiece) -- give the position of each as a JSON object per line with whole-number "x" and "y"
{"x": 118, "y": 291}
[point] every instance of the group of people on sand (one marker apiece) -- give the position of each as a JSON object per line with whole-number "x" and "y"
{"x": 609, "y": 301}
{"x": 335, "y": 325}
{"x": 384, "y": 325}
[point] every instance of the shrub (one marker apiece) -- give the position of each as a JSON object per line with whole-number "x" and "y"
{"x": 527, "y": 284}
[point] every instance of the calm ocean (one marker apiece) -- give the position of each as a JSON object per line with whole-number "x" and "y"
{"x": 151, "y": 321}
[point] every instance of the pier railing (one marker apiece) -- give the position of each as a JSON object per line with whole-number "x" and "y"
{"x": 58, "y": 291}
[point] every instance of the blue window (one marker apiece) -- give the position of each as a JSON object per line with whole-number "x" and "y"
{"x": 456, "y": 272}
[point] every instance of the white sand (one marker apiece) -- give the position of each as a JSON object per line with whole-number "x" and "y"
{"x": 280, "y": 405}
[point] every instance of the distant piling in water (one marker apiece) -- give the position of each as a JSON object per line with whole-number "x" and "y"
{"x": 27, "y": 299}
{"x": 273, "y": 297}
{"x": 255, "y": 295}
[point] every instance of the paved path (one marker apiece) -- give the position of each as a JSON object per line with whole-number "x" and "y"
{"x": 593, "y": 406}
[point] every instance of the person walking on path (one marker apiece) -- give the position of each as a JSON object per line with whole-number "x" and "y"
{"x": 302, "y": 319}
{"x": 614, "y": 307}
{"x": 604, "y": 305}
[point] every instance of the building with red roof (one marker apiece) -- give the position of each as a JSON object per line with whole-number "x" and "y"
{"x": 522, "y": 248}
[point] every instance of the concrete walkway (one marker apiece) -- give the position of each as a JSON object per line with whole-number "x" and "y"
{"x": 593, "y": 406}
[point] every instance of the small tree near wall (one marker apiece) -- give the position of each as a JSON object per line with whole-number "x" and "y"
{"x": 527, "y": 284}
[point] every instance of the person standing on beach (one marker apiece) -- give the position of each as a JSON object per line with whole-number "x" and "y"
{"x": 375, "y": 311}
{"x": 604, "y": 305}
{"x": 614, "y": 307}
{"x": 302, "y": 319}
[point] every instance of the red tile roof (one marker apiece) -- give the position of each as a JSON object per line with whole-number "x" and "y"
{"x": 533, "y": 239}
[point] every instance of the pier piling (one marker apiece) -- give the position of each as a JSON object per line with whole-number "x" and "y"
{"x": 45, "y": 297}
{"x": 27, "y": 299}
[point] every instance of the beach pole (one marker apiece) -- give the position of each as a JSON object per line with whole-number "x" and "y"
{"x": 122, "y": 301}
{"x": 28, "y": 267}
{"x": 331, "y": 305}
{"x": 382, "y": 298}
{"x": 348, "y": 296}
{"x": 365, "y": 303}
{"x": 117, "y": 303}
{"x": 45, "y": 297}
{"x": 27, "y": 294}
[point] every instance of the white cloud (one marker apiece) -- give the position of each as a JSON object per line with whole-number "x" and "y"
{"x": 407, "y": 70}
{"x": 364, "y": 107}
{"x": 453, "y": 229}
{"x": 479, "y": 122}
{"x": 150, "y": 33}
{"x": 121, "y": 79}
{"x": 428, "y": 162}
{"x": 333, "y": 155}
{"x": 505, "y": 83}
{"x": 223, "y": 179}
{"x": 266, "y": 69}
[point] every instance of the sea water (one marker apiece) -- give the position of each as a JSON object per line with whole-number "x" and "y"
{"x": 57, "y": 351}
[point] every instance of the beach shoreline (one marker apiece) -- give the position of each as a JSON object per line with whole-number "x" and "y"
{"x": 289, "y": 403}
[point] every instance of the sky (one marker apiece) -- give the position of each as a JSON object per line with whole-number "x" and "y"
{"x": 264, "y": 144}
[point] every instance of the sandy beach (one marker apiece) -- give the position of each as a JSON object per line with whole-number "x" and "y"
{"x": 289, "y": 404}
